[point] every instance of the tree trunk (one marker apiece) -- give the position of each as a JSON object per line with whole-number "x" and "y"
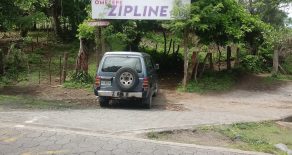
{"x": 165, "y": 42}
{"x": 169, "y": 48}
{"x": 204, "y": 63}
{"x": 64, "y": 72}
{"x": 276, "y": 61}
{"x": 56, "y": 20}
{"x": 211, "y": 62}
{"x": 82, "y": 59}
{"x": 1, "y": 62}
{"x": 237, "y": 60}
{"x": 192, "y": 65}
{"x": 228, "y": 58}
{"x": 186, "y": 59}
{"x": 250, "y": 5}
{"x": 100, "y": 43}
{"x": 219, "y": 58}
{"x": 23, "y": 32}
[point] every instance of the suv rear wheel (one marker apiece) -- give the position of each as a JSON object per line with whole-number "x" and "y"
{"x": 103, "y": 101}
{"x": 147, "y": 103}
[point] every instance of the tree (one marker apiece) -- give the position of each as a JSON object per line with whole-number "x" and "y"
{"x": 214, "y": 21}
{"x": 85, "y": 34}
{"x": 268, "y": 10}
{"x": 30, "y": 13}
{"x": 8, "y": 16}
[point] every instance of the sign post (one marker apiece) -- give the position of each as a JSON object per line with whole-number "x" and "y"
{"x": 100, "y": 40}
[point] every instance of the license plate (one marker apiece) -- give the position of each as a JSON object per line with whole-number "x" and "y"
{"x": 106, "y": 83}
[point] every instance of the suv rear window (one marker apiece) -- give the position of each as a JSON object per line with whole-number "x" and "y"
{"x": 114, "y": 63}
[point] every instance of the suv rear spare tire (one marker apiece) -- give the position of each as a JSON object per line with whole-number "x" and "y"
{"x": 127, "y": 79}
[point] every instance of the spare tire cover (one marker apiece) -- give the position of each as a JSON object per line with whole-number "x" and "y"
{"x": 127, "y": 79}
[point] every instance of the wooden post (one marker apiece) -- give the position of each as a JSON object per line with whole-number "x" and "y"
{"x": 40, "y": 71}
{"x": 219, "y": 58}
{"x": 276, "y": 61}
{"x": 237, "y": 60}
{"x": 211, "y": 61}
{"x": 65, "y": 62}
{"x": 32, "y": 45}
{"x": 37, "y": 39}
{"x": 50, "y": 71}
{"x": 99, "y": 47}
{"x": 228, "y": 58}
{"x": 102, "y": 43}
{"x": 60, "y": 67}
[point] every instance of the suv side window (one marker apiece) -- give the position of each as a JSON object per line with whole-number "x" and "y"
{"x": 148, "y": 63}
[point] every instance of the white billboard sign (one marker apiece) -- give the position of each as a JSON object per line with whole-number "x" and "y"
{"x": 133, "y": 9}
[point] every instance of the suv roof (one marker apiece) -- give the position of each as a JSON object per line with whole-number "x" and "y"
{"x": 127, "y": 53}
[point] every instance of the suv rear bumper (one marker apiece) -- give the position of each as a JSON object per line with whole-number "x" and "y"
{"x": 118, "y": 94}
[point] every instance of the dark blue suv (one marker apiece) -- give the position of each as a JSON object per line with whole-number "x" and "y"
{"x": 126, "y": 75}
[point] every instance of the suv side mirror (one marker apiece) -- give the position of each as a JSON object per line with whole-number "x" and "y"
{"x": 156, "y": 67}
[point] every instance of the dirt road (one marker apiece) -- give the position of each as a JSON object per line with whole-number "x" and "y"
{"x": 171, "y": 110}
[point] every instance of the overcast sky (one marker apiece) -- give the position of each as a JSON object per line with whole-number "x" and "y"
{"x": 289, "y": 10}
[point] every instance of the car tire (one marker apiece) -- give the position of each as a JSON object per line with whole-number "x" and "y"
{"x": 147, "y": 103}
{"x": 156, "y": 90}
{"x": 127, "y": 79}
{"x": 103, "y": 101}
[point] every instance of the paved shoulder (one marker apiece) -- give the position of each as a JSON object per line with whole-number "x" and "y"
{"x": 28, "y": 141}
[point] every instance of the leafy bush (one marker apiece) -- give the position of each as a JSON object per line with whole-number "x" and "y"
{"x": 16, "y": 63}
{"x": 288, "y": 64}
{"x": 252, "y": 63}
{"x": 210, "y": 82}
{"x": 81, "y": 77}
{"x": 85, "y": 31}
{"x": 117, "y": 41}
{"x": 168, "y": 63}
{"x": 79, "y": 80}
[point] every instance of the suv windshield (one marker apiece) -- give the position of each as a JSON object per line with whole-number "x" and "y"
{"x": 114, "y": 63}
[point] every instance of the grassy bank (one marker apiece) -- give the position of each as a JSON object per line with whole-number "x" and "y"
{"x": 27, "y": 102}
{"x": 259, "y": 137}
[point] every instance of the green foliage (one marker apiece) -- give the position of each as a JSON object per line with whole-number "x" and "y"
{"x": 167, "y": 63}
{"x": 85, "y": 31}
{"x": 79, "y": 80}
{"x": 252, "y": 63}
{"x": 153, "y": 135}
{"x": 268, "y": 10}
{"x": 81, "y": 77}
{"x": 257, "y": 136}
{"x": 254, "y": 136}
{"x": 127, "y": 34}
{"x": 212, "y": 82}
{"x": 279, "y": 77}
{"x": 8, "y": 16}
{"x": 287, "y": 65}
{"x": 116, "y": 40}
{"x": 16, "y": 63}
{"x": 218, "y": 22}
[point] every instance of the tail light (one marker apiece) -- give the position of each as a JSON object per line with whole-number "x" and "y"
{"x": 97, "y": 81}
{"x": 145, "y": 83}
